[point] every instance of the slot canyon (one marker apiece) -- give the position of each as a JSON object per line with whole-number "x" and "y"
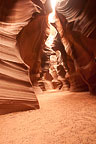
{"x": 47, "y": 72}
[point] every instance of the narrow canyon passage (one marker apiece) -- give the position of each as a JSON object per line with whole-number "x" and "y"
{"x": 47, "y": 72}
{"x": 64, "y": 118}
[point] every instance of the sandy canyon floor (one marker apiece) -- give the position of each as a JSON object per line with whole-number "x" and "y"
{"x": 64, "y": 118}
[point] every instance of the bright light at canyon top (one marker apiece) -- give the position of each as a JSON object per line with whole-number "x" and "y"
{"x": 51, "y": 18}
{"x": 53, "y": 5}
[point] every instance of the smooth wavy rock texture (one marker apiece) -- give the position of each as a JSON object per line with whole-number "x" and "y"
{"x": 16, "y": 92}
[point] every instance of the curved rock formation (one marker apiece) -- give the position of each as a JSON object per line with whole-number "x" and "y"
{"x": 75, "y": 44}
{"x": 16, "y": 92}
{"x": 30, "y": 41}
{"x": 71, "y": 76}
{"x": 80, "y": 14}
